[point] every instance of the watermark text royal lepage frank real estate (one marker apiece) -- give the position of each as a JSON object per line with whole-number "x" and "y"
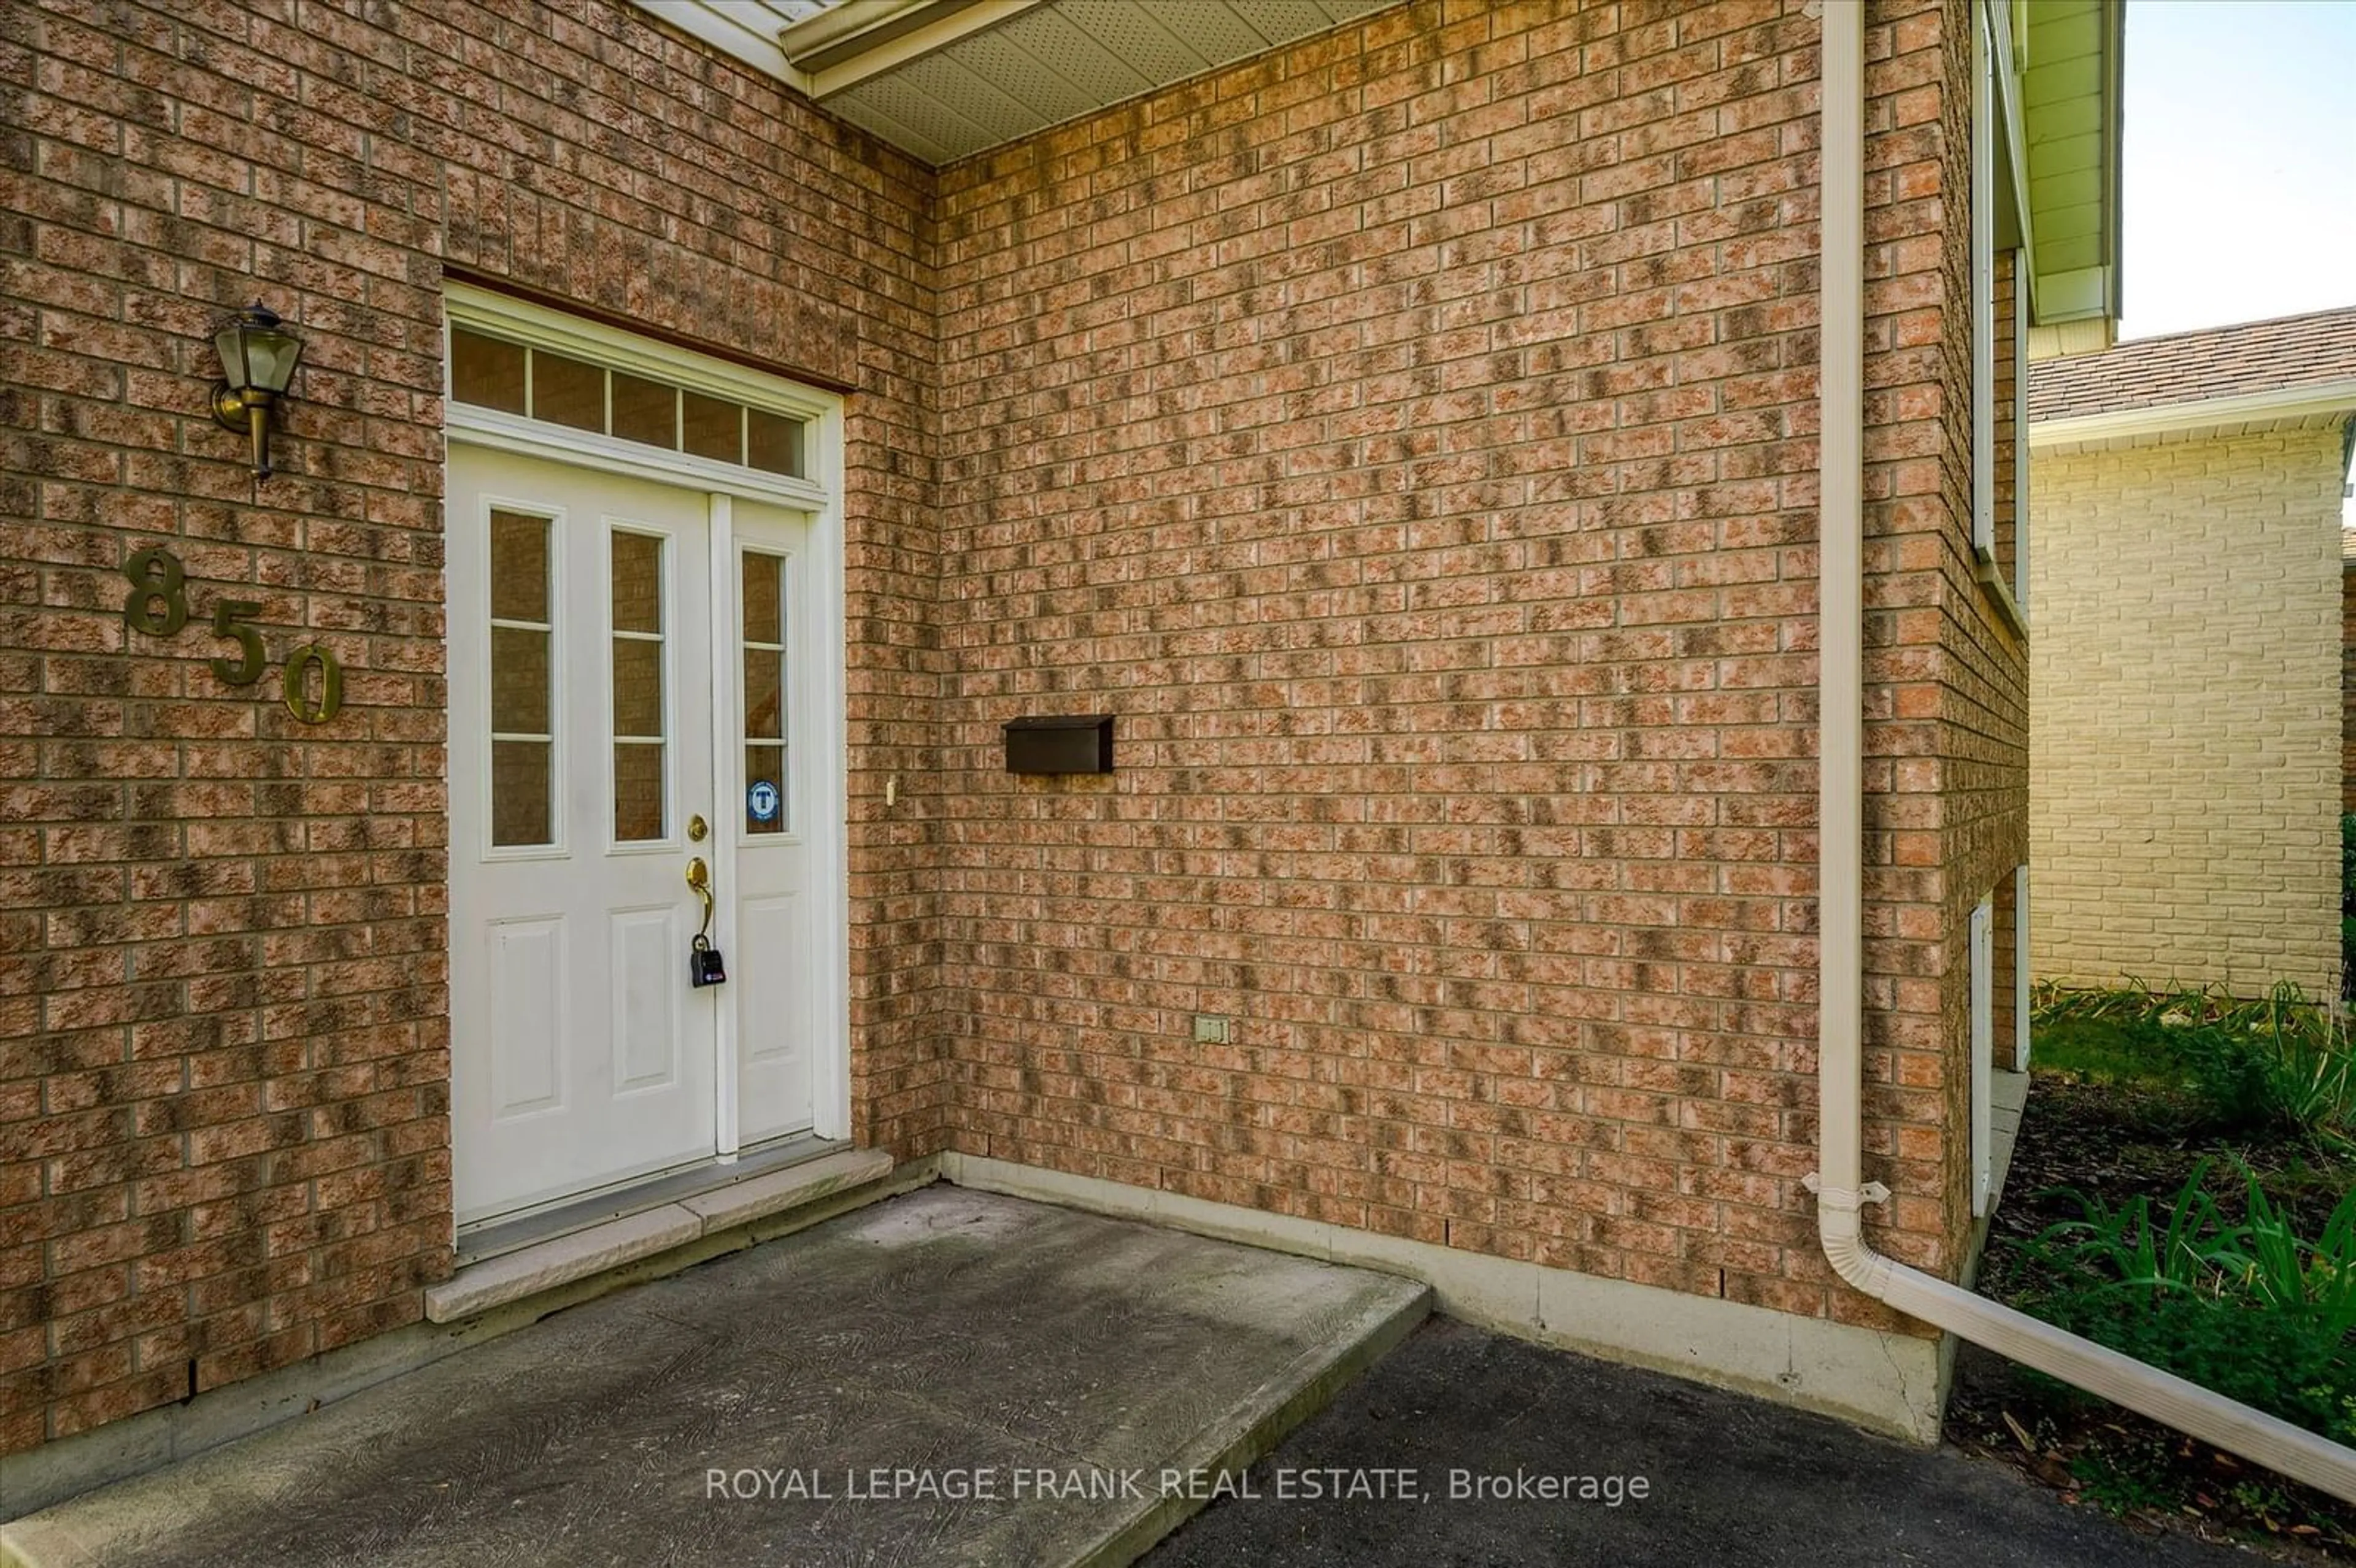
{"x": 1003, "y": 1483}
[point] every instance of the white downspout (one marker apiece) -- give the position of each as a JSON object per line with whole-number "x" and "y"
{"x": 1839, "y": 1182}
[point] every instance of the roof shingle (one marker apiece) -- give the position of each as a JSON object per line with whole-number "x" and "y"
{"x": 2192, "y": 367}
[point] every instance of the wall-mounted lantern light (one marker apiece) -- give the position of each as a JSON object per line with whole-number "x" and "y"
{"x": 258, "y": 354}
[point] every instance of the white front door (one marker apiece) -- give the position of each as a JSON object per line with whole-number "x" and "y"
{"x": 622, "y": 660}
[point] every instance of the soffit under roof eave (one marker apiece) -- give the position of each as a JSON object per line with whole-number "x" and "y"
{"x": 948, "y": 79}
{"x": 2071, "y": 79}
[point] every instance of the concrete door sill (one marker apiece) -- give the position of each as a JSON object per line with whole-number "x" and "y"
{"x": 487, "y": 1239}
{"x": 591, "y": 1249}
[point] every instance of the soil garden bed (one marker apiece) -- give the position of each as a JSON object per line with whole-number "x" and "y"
{"x": 2132, "y": 1099}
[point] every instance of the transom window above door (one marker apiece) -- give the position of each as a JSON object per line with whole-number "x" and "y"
{"x": 493, "y": 372}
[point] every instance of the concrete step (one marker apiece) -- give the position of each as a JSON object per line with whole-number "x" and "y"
{"x": 947, "y": 1377}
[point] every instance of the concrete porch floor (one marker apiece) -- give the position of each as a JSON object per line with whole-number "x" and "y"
{"x": 963, "y": 1339}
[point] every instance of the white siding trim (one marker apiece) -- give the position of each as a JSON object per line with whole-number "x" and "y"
{"x": 1982, "y": 291}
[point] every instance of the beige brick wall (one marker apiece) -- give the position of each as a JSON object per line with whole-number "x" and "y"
{"x": 2185, "y": 722}
{"x": 2347, "y": 676}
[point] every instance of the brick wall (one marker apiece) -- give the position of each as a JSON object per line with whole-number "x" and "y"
{"x": 1410, "y": 436}
{"x": 223, "y": 1042}
{"x": 1954, "y": 744}
{"x": 2010, "y": 452}
{"x": 2183, "y": 824}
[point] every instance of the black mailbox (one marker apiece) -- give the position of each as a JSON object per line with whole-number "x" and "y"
{"x": 1059, "y": 743}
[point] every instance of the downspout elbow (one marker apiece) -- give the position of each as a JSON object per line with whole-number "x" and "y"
{"x": 1840, "y": 1228}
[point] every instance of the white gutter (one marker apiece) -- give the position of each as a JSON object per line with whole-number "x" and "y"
{"x": 1839, "y": 1182}
{"x": 844, "y": 45}
{"x": 2314, "y": 399}
{"x": 2014, "y": 120}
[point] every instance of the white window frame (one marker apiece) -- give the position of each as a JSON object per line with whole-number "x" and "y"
{"x": 559, "y": 845}
{"x": 669, "y": 562}
{"x": 790, "y": 804}
{"x": 519, "y": 321}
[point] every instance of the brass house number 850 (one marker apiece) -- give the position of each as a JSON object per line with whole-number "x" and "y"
{"x": 158, "y": 605}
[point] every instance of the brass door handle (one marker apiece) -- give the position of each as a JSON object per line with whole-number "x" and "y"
{"x": 698, "y": 877}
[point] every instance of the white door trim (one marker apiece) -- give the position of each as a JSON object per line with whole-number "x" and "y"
{"x": 522, "y": 437}
{"x": 725, "y": 663}
{"x": 820, "y": 496}
{"x": 830, "y": 1070}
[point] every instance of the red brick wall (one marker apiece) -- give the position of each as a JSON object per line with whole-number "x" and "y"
{"x": 2010, "y": 452}
{"x": 1946, "y": 812}
{"x": 1410, "y": 437}
{"x": 223, "y": 1042}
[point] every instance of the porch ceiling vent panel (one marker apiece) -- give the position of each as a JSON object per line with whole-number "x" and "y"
{"x": 943, "y": 79}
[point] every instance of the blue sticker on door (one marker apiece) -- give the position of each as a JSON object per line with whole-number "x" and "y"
{"x": 761, "y": 801}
